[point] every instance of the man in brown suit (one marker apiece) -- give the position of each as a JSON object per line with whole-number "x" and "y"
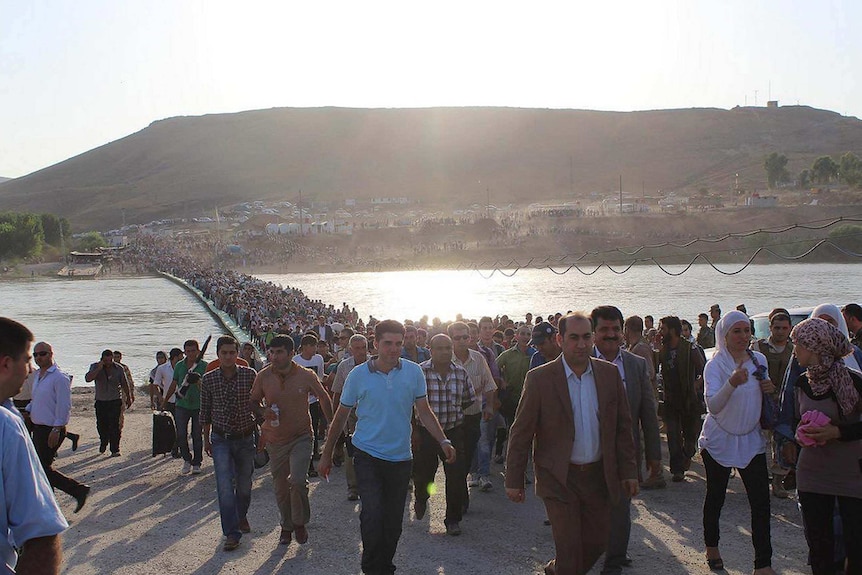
{"x": 575, "y": 408}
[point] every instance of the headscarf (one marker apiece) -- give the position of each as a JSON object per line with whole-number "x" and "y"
{"x": 722, "y": 355}
{"x": 834, "y": 312}
{"x": 830, "y": 345}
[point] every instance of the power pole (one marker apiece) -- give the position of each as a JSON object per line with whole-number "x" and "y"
{"x": 621, "y": 194}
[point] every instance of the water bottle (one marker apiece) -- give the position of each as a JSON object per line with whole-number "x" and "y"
{"x": 274, "y": 422}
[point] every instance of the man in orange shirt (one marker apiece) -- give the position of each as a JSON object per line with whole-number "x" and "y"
{"x": 287, "y": 433}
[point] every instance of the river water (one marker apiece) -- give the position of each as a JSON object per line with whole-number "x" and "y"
{"x": 142, "y": 315}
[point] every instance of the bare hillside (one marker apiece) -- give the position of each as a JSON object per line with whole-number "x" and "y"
{"x": 450, "y": 155}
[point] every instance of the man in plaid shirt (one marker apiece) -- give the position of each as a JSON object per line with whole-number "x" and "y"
{"x": 228, "y": 430}
{"x": 449, "y": 392}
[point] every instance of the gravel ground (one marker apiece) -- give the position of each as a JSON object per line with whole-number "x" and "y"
{"x": 144, "y": 517}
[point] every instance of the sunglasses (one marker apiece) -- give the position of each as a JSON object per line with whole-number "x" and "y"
{"x": 460, "y": 337}
{"x": 40, "y": 353}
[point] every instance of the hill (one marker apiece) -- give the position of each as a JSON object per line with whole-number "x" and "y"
{"x": 2, "y": 179}
{"x": 452, "y": 156}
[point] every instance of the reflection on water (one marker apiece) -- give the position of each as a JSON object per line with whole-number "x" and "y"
{"x": 80, "y": 318}
{"x": 142, "y": 315}
{"x": 642, "y": 290}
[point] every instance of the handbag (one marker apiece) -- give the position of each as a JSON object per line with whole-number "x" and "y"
{"x": 769, "y": 406}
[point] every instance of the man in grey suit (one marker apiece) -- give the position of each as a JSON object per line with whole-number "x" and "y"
{"x": 608, "y": 327}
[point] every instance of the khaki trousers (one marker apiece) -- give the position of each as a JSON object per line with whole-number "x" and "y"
{"x": 288, "y": 463}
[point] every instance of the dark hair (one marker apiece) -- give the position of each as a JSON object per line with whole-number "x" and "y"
{"x": 473, "y": 325}
{"x": 854, "y": 310}
{"x": 226, "y": 340}
{"x": 15, "y": 338}
{"x": 175, "y": 352}
{"x": 421, "y": 331}
{"x": 509, "y": 332}
{"x": 410, "y": 328}
{"x": 308, "y": 339}
{"x": 486, "y": 319}
{"x": 456, "y": 326}
{"x": 634, "y": 323}
{"x": 685, "y": 322}
{"x": 160, "y": 353}
{"x": 778, "y": 310}
{"x": 672, "y": 323}
{"x": 649, "y": 317}
{"x": 107, "y": 352}
{"x": 779, "y": 317}
{"x": 569, "y": 317}
{"x": 703, "y": 315}
{"x": 607, "y": 313}
{"x": 282, "y": 341}
{"x": 388, "y": 326}
{"x": 191, "y": 343}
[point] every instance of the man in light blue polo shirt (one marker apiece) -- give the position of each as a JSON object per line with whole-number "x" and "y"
{"x": 30, "y": 519}
{"x": 384, "y": 391}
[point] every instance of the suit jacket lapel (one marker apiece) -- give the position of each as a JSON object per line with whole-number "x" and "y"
{"x": 630, "y": 367}
{"x": 602, "y": 390}
{"x": 562, "y": 386}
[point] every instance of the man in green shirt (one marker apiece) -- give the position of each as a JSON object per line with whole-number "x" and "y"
{"x": 188, "y": 406}
{"x": 514, "y": 363}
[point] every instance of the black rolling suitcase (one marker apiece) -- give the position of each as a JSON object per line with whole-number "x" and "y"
{"x": 164, "y": 432}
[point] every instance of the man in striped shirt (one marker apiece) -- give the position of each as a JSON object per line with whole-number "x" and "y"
{"x": 449, "y": 392}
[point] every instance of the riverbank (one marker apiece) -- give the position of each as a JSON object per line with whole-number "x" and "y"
{"x": 144, "y": 518}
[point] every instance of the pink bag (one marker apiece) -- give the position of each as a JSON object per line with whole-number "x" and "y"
{"x": 810, "y": 420}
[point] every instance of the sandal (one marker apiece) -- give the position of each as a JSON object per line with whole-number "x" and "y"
{"x": 716, "y": 564}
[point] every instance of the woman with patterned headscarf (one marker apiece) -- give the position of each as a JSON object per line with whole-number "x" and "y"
{"x": 735, "y": 380}
{"x": 831, "y": 468}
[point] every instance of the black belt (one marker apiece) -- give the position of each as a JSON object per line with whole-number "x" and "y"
{"x": 232, "y": 434}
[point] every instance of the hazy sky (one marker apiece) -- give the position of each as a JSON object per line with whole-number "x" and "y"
{"x": 76, "y": 74}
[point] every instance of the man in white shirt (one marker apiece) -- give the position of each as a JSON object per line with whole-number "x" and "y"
{"x": 575, "y": 415}
{"x": 30, "y": 520}
{"x": 50, "y": 410}
{"x": 162, "y": 379}
{"x": 308, "y": 357}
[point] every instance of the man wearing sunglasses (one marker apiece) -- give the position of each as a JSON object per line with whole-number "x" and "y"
{"x": 110, "y": 380}
{"x": 50, "y": 410}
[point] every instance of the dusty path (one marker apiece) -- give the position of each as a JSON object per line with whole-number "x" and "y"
{"x": 144, "y": 517}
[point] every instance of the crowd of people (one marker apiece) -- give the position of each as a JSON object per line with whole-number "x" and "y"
{"x": 583, "y": 395}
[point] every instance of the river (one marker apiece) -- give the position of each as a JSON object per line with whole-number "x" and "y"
{"x": 142, "y": 315}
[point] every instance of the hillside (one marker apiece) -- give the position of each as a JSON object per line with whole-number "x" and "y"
{"x": 2, "y": 179}
{"x": 451, "y": 156}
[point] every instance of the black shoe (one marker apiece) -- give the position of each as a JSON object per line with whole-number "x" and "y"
{"x": 176, "y": 454}
{"x": 627, "y": 561}
{"x": 419, "y": 508}
{"x": 313, "y": 473}
{"x": 81, "y": 498}
{"x": 75, "y": 438}
{"x": 677, "y": 477}
{"x": 103, "y": 447}
{"x": 115, "y": 454}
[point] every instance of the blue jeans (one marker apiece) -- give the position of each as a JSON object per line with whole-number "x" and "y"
{"x": 183, "y": 417}
{"x": 487, "y": 438}
{"x": 383, "y": 491}
{"x": 233, "y": 461}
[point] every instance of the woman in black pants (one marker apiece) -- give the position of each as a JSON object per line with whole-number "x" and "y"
{"x": 829, "y": 466}
{"x": 735, "y": 380}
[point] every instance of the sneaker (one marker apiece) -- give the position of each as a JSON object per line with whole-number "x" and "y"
{"x": 473, "y": 481}
{"x": 196, "y": 469}
{"x": 654, "y": 482}
{"x": 187, "y": 467}
{"x": 231, "y": 543}
{"x": 486, "y": 484}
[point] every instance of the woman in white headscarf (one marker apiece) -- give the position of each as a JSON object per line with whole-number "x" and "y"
{"x": 833, "y": 315}
{"x": 735, "y": 380}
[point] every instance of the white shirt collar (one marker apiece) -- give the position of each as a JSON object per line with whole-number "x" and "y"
{"x": 570, "y": 373}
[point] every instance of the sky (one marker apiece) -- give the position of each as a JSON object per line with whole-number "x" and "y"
{"x": 75, "y": 75}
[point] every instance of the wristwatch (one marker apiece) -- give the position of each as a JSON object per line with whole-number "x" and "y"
{"x": 446, "y": 442}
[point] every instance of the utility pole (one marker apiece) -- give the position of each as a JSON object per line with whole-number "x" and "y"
{"x": 621, "y": 194}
